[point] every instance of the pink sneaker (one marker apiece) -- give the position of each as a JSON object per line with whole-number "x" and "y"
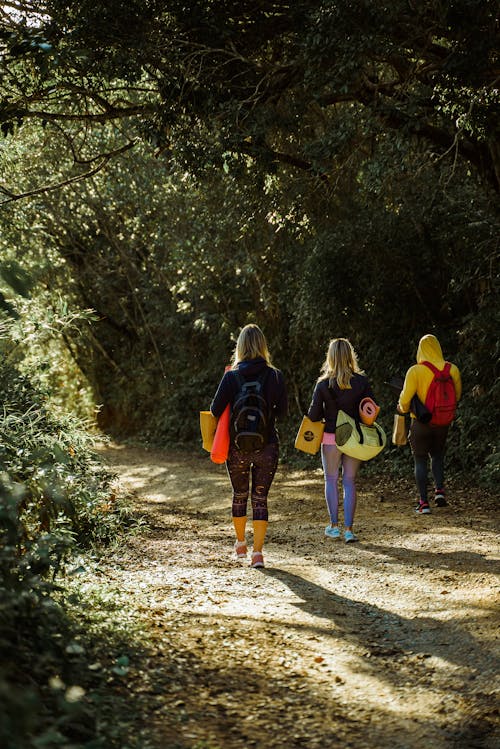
{"x": 257, "y": 559}
{"x": 240, "y": 549}
{"x": 423, "y": 509}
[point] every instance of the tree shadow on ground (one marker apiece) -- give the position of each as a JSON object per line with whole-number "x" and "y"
{"x": 438, "y": 560}
{"x": 235, "y": 703}
{"x": 214, "y": 682}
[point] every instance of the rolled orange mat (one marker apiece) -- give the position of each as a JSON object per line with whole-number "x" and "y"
{"x": 368, "y": 411}
{"x": 220, "y": 445}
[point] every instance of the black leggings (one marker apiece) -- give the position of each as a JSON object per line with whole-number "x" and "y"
{"x": 428, "y": 441}
{"x": 262, "y": 465}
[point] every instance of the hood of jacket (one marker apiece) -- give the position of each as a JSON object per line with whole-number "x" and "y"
{"x": 429, "y": 349}
{"x": 252, "y": 367}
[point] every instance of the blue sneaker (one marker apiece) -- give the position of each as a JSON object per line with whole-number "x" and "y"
{"x": 349, "y": 537}
{"x": 332, "y": 531}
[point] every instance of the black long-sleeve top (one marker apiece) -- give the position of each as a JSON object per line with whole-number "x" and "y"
{"x": 274, "y": 391}
{"x": 327, "y": 401}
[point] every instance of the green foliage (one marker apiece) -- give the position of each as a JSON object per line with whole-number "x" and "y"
{"x": 321, "y": 168}
{"x": 173, "y": 267}
{"x": 262, "y": 80}
{"x": 316, "y": 171}
{"x": 64, "y": 651}
{"x": 65, "y": 488}
{"x": 55, "y": 497}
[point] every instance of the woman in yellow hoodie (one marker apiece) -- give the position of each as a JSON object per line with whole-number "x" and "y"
{"x": 427, "y": 439}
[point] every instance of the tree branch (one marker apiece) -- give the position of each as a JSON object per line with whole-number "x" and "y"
{"x": 11, "y": 196}
{"x": 112, "y": 113}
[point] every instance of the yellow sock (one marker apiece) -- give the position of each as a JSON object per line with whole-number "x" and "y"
{"x": 259, "y": 534}
{"x": 239, "y": 527}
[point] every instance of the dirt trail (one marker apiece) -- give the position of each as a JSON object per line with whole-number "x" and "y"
{"x": 391, "y": 642}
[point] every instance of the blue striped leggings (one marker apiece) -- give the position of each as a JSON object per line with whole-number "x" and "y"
{"x": 332, "y": 460}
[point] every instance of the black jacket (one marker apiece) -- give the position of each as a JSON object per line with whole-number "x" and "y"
{"x": 274, "y": 391}
{"x": 326, "y": 402}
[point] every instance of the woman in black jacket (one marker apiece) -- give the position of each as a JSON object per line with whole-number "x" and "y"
{"x": 251, "y": 380}
{"x": 341, "y": 386}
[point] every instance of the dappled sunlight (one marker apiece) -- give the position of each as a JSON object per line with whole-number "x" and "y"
{"x": 439, "y": 537}
{"x": 348, "y": 673}
{"x": 395, "y": 632}
{"x": 170, "y": 172}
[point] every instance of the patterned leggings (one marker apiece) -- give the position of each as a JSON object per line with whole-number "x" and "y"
{"x": 261, "y": 464}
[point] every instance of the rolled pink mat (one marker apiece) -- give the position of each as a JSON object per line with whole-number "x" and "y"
{"x": 368, "y": 411}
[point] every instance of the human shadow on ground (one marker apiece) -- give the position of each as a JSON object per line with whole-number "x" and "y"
{"x": 383, "y": 632}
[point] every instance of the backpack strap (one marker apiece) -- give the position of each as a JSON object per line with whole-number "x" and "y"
{"x": 430, "y": 366}
{"x": 435, "y": 370}
{"x": 240, "y": 381}
{"x": 261, "y": 378}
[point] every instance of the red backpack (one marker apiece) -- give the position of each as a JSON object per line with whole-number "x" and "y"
{"x": 441, "y": 399}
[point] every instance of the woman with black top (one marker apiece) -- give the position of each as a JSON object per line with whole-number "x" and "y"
{"x": 252, "y": 364}
{"x": 341, "y": 386}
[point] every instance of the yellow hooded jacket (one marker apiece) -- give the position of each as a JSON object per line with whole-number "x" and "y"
{"x": 419, "y": 377}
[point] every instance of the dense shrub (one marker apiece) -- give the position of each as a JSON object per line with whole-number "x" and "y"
{"x": 55, "y": 496}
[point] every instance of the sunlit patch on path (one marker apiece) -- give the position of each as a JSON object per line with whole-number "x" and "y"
{"x": 391, "y": 642}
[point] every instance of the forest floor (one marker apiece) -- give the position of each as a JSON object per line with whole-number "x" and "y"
{"x": 389, "y": 642}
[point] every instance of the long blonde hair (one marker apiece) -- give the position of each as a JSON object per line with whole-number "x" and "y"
{"x": 251, "y": 343}
{"x": 340, "y": 364}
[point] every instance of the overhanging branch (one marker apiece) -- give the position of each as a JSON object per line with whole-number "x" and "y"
{"x": 12, "y": 196}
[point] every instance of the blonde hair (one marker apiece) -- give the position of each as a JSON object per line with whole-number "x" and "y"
{"x": 251, "y": 343}
{"x": 340, "y": 364}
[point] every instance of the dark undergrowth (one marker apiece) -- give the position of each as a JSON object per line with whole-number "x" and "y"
{"x": 64, "y": 650}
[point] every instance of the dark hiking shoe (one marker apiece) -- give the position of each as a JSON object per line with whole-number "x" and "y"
{"x": 423, "y": 509}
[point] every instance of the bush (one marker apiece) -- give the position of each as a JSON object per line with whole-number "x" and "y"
{"x": 54, "y": 498}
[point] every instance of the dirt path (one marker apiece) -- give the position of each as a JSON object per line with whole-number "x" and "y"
{"x": 391, "y": 642}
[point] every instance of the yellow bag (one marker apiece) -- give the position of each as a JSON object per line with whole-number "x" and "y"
{"x": 399, "y": 430}
{"x": 309, "y": 436}
{"x": 208, "y": 425}
{"x": 358, "y": 440}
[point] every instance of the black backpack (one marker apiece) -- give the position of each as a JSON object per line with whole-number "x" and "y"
{"x": 250, "y": 414}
